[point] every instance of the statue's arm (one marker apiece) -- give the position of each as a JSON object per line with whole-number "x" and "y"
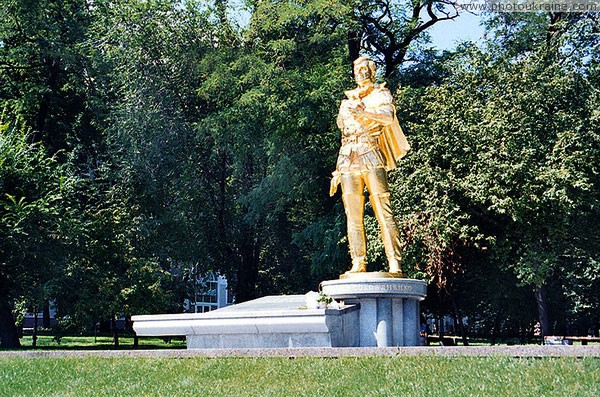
{"x": 340, "y": 120}
{"x": 384, "y": 113}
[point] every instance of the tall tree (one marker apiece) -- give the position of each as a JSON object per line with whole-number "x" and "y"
{"x": 45, "y": 74}
{"x": 32, "y": 222}
{"x": 220, "y": 158}
{"x": 389, "y": 30}
{"x": 504, "y": 162}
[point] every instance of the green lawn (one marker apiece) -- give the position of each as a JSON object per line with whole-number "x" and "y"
{"x": 47, "y": 342}
{"x": 366, "y": 376}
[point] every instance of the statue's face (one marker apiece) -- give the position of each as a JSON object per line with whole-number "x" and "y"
{"x": 362, "y": 74}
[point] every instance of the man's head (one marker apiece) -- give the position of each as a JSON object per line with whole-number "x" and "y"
{"x": 364, "y": 71}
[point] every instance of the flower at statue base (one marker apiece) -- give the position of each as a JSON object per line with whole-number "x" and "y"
{"x": 324, "y": 300}
{"x": 316, "y": 300}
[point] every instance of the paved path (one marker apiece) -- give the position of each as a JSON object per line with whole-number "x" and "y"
{"x": 474, "y": 351}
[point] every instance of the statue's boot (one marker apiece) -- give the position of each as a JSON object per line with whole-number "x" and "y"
{"x": 394, "y": 266}
{"x": 358, "y": 266}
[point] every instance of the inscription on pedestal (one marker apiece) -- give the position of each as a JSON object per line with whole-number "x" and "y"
{"x": 405, "y": 288}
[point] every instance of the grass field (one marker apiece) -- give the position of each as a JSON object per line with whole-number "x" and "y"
{"x": 47, "y": 342}
{"x": 104, "y": 342}
{"x": 365, "y": 376}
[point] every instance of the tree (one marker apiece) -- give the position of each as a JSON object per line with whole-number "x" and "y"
{"x": 389, "y": 30}
{"x": 32, "y": 222}
{"x": 220, "y": 157}
{"x": 104, "y": 278}
{"x": 58, "y": 84}
{"x": 504, "y": 163}
{"x": 45, "y": 76}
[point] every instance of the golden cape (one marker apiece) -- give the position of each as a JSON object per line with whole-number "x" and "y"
{"x": 393, "y": 144}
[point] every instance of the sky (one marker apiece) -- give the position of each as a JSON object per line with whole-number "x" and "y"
{"x": 445, "y": 35}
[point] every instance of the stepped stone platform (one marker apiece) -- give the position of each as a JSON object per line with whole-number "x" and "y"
{"x": 268, "y": 322}
{"x": 377, "y": 312}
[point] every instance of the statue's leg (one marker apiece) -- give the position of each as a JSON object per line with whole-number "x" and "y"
{"x": 379, "y": 195}
{"x": 353, "y": 194}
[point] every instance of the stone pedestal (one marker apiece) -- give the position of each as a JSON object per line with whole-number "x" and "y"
{"x": 389, "y": 307}
{"x": 378, "y": 312}
{"x": 268, "y": 322}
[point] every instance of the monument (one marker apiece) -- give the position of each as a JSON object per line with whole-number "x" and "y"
{"x": 372, "y": 144}
{"x": 379, "y": 308}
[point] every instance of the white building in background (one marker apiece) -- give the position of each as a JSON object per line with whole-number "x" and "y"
{"x": 210, "y": 293}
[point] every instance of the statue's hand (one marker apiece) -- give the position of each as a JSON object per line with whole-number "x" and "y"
{"x": 358, "y": 109}
{"x": 335, "y": 181}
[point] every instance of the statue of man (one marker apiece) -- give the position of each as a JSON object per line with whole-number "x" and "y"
{"x": 372, "y": 142}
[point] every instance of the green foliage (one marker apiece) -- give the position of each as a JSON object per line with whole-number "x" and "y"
{"x": 32, "y": 187}
{"x": 45, "y": 75}
{"x": 103, "y": 276}
{"x": 221, "y": 157}
{"x": 504, "y": 169}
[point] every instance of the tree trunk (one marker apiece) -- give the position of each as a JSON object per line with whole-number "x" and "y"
{"x": 46, "y": 315}
{"x": 129, "y": 325}
{"x": 353, "y": 47}
{"x": 34, "y": 336}
{"x": 495, "y": 329}
{"x": 44, "y": 106}
{"x": 247, "y": 273}
{"x": 9, "y": 337}
{"x": 458, "y": 322}
{"x": 542, "y": 304}
{"x": 113, "y": 325}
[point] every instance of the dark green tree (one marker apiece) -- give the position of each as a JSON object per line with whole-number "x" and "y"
{"x": 33, "y": 223}
{"x": 504, "y": 162}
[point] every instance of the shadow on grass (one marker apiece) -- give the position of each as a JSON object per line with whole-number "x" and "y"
{"x": 48, "y": 343}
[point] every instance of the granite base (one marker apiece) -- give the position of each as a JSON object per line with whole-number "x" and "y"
{"x": 389, "y": 308}
{"x": 268, "y": 322}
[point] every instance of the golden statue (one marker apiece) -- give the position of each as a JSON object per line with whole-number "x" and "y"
{"x": 372, "y": 143}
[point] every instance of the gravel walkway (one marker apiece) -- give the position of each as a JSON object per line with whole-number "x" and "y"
{"x": 475, "y": 351}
